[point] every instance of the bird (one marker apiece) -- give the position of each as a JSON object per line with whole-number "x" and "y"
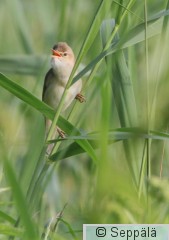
{"x": 62, "y": 63}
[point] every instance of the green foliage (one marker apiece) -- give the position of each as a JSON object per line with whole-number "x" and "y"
{"x": 113, "y": 165}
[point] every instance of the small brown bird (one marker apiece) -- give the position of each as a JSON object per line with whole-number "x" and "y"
{"x": 62, "y": 62}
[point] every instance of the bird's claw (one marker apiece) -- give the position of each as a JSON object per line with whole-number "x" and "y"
{"x": 61, "y": 133}
{"x": 80, "y": 98}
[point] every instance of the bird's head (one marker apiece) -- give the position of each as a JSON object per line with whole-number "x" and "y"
{"x": 62, "y": 57}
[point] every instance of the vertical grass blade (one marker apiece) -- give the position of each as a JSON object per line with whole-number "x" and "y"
{"x": 123, "y": 92}
{"x": 17, "y": 12}
{"x": 21, "y": 205}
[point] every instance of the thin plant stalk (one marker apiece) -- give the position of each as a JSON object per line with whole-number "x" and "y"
{"x": 148, "y": 141}
{"x": 147, "y": 93}
{"x": 163, "y": 36}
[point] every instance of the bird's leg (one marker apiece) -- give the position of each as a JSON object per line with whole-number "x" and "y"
{"x": 55, "y": 135}
{"x": 61, "y": 132}
{"x": 80, "y": 98}
{"x": 58, "y": 130}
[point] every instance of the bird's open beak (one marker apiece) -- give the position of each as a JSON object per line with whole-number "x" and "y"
{"x": 56, "y": 53}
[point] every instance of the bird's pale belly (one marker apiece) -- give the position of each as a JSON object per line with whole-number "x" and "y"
{"x": 55, "y": 91}
{"x": 54, "y": 94}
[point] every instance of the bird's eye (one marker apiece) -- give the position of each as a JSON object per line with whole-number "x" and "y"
{"x": 65, "y": 54}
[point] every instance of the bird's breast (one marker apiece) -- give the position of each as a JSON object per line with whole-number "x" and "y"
{"x": 54, "y": 93}
{"x": 61, "y": 71}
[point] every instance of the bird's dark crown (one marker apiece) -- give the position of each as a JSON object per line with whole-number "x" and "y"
{"x": 61, "y": 47}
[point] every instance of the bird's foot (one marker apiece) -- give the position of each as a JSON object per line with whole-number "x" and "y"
{"x": 61, "y": 133}
{"x": 80, "y": 98}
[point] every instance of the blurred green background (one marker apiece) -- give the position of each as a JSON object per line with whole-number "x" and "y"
{"x": 126, "y": 115}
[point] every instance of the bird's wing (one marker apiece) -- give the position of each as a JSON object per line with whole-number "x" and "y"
{"x": 48, "y": 77}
